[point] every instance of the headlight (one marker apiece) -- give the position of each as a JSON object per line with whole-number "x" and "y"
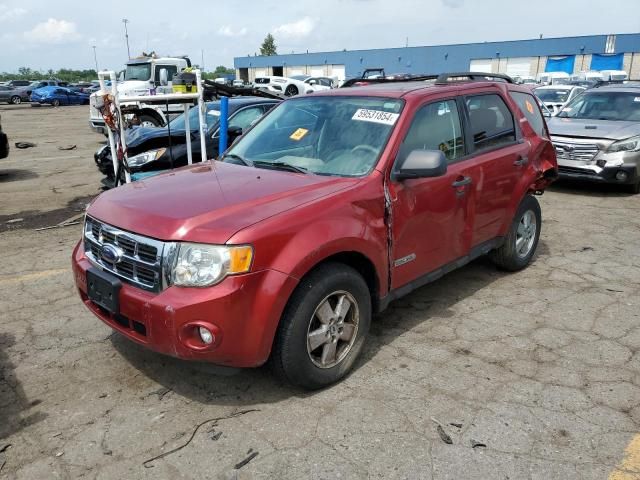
{"x": 202, "y": 265}
{"x": 628, "y": 145}
{"x": 146, "y": 157}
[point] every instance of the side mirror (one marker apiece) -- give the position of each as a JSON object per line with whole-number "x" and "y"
{"x": 421, "y": 164}
{"x": 164, "y": 77}
{"x": 234, "y": 132}
{"x": 312, "y": 82}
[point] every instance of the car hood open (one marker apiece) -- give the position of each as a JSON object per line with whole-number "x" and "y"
{"x": 577, "y": 127}
{"x": 209, "y": 203}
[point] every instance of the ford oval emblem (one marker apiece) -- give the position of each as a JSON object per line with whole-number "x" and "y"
{"x": 111, "y": 253}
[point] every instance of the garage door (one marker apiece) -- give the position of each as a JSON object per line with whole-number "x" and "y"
{"x": 261, "y": 73}
{"x": 482, "y": 65}
{"x": 519, "y": 67}
{"x": 338, "y": 71}
{"x": 317, "y": 71}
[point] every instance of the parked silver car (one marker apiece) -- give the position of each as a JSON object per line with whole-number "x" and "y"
{"x": 597, "y": 136}
{"x": 555, "y": 97}
{"x": 13, "y": 95}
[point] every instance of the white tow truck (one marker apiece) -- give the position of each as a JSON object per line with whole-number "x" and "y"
{"x": 145, "y": 75}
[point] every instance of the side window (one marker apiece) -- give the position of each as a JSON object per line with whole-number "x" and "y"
{"x": 529, "y": 108}
{"x": 491, "y": 122}
{"x": 171, "y": 71}
{"x": 245, "y": 118}
{"x": 436, "y": 126}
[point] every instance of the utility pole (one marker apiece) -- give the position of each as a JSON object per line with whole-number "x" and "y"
{"x": 95, "y": 58}
{"x": 126, "y": 36}
{"x": 202, "y": 56}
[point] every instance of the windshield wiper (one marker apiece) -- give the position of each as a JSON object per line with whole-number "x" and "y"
{"x": 280, "y": 166}
{"x": 244, "y": 161}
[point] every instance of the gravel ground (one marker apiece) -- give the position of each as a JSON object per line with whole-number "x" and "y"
{"x": 534, "y": 375}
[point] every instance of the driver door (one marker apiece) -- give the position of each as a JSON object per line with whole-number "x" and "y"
{"x": 430, "y": 215}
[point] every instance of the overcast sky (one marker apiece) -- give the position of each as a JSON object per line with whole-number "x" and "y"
{"x": 52, "y": 34}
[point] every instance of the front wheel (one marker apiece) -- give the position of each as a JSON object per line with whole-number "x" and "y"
{"x": 291, "y": 91}
{"x": 522, "y": 239}
{"x": 324, "y": 327}
{"x": 149, "y": 121}
{"x": 16, "y": 100}
{"x": 55, "y": 103}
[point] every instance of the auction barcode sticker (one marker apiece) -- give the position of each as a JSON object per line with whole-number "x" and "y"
{"x": 375, "y": 116}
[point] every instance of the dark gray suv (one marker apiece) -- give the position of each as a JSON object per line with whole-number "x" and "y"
{"x": 597, "y": 136}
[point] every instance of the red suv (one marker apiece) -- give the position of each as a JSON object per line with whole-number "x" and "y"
{"x": 326, "y": 210}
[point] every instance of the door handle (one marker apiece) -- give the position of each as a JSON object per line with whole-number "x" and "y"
{"x": 521, "y": 161}
{"x": 461, "y": 182}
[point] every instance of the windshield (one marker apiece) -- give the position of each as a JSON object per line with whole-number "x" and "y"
{"x": 552, "y": 95}
{"x": 302, "y": 78}
{"x": 138, "y": 71}
{"x": 616, "y": 106}
{"x": 341, "y": 136}
{"x": 212, "y": 117}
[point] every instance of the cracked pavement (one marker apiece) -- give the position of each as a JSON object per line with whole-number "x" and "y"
{"x": 541, "y": 366}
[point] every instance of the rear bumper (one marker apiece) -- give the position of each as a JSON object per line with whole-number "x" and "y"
{"x": 243, "y": 313}
{"x": 604, "y": 175}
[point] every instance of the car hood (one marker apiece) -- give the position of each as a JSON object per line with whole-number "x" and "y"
{"x": 575, "y": 127}
{"x": 209, "y": 203}
{"x": 139, "y": 135}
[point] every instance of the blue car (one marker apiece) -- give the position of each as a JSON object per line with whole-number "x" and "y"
{"x": 57, "y": 96}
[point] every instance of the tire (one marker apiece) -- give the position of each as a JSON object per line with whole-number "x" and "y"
{"x": 290, "y": 91}
{"x": 293, "y": 357}
{"x": 56, "y": 102}
{"x": 149, "y": 121}
{"x": 521, "y": 241}
{"x": 16, "y": 100}
{"x": 634, "y": 188}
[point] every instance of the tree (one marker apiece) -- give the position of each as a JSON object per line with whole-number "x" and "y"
{"x": 268, "y": 46}
{"x": 222, "y": 70}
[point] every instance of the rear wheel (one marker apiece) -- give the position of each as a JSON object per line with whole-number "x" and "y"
{"x": 324, "y": 327}
{"x": 522, "y": 239}
{"x": 16, "y": 100}
{"x": 149, "y": 121}
{"x": 634, "y": 188}
{"x": 56, "y": 102}
{"x": 291, "y": 90}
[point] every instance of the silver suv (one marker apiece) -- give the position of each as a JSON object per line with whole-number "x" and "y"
{"x": 597, "y": 136}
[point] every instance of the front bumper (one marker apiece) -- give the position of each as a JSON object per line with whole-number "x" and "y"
{"x": 601, "y": 175}
{"x": 98, "y": 126}
{"x": 242, "y": 311}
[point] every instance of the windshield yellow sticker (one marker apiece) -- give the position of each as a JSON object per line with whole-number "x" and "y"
{"x": 375, "y": 116}
{"x": 299, "y": 134}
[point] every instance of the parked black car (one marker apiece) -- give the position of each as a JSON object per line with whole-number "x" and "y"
{"x": 153, "y": 149}
{"x": 4, "y": 143}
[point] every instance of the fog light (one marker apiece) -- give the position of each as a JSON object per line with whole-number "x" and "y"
{"x": 205, "y": 335}
{"x": 601, "y": 163}
{"x": 622, "y": 176}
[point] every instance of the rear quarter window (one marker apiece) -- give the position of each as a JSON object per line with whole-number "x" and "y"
{"x": 529, "y": 108}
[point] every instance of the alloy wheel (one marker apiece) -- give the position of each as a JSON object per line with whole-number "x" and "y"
{"x": 526, "y": 233}
{"x": 333, "y": 329}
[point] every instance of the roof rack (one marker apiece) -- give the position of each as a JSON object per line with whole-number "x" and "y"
{"x": 369, "y": 81}
{"x": 446, "y": 78}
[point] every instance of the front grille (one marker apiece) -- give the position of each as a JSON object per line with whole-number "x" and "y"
{"x": 140, "y": 259}
{"x": 581, "y": 171}
{"x": 584, "y": 152}
{"x": 263, "y": 80}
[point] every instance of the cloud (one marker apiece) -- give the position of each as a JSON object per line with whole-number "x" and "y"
{"x": 53, "y": 31}
{"x": 228, "y": 31}
{"x": 301, "y": 28}
{"x": 452, "y": 3}
{"x": 7, "y": 14}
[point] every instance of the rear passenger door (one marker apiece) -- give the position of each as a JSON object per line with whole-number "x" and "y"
{"x": 499, "y": 159}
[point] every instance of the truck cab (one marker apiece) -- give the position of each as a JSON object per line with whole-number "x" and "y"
{"x": 142, "y": 76}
